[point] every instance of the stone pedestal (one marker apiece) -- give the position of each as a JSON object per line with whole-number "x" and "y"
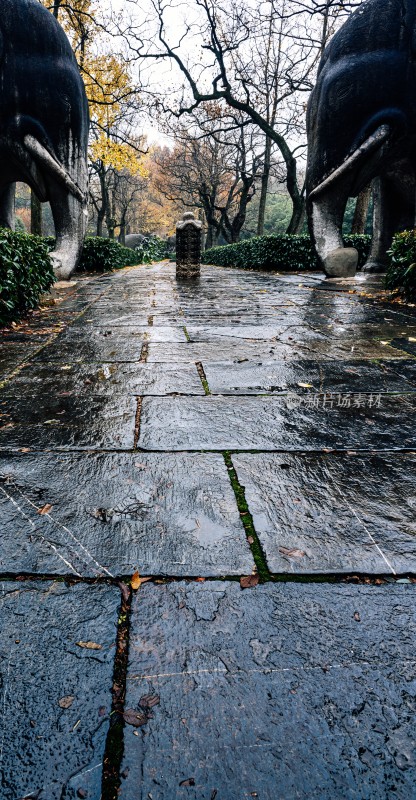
{"x": 188, "y": 246}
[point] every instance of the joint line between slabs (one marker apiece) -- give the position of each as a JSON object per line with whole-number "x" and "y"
{"x": 137, "y": 425}
{"x": 247, "y": 520}
{"x": 203, "y": 377}
{"x": 144, "y": 353}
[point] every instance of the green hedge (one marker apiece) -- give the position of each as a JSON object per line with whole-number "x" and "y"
{"x": 103, "y": 255}
{"x": 284, "y": 253}
{"x": 401, "y": 273}
{"x": 25, "y": 273}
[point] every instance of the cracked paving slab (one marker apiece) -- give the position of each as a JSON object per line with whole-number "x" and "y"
{"x": 404, "y": 369}
{"x": 405, "y": 344}
{"x": 298, "y": 376}
{"x": 106, "y": 379}
{"x": 12, "y": 354}
{"x": 95, "y": 344}
{"x": 239, "y": 351}
{"x": 106, "y": 515}
{"x": 333, "y": 514}
{"x": 277, "y": 423}
{"x": 56, "y": 694}
{"x": 43, "y": 421}
{"x": 285, "y": 690}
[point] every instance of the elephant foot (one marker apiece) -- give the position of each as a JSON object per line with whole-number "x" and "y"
{"x": 341, "y": 263}
{"x": 63, "y": 265}
{"x": 372, "y": 266}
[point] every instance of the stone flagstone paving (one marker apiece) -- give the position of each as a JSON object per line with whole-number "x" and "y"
{"x": 244, "y": 426}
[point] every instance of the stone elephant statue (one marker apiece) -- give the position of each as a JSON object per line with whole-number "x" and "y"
{"x": 44, "y": 124}
{"x": 361, "y": 125}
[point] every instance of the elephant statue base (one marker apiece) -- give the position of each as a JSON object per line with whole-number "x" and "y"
{"x": 44, "y": 125}
{"x": 362, "y": 129}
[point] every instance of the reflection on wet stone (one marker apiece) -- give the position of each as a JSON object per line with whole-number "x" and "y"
{"x": 161, "y": 514}
{"x": 284, "y": 671}
{"x": 56, "y": 694}
{"x": 266, "y": 423}
{"x": 274, "y": 691}
{"x": 330, "y": 513}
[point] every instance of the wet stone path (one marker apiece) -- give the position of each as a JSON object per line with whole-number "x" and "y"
{"x": 243, "y": 430}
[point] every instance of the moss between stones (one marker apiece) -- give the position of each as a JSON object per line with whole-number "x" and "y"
{"x": 247, "y": 520}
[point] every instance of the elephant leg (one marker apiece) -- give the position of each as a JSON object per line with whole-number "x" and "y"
{"x": 394, "y": 210}
{"x": 7, "y": 195}
{"x": 326, "y": 214}
{"x": 70, "y": 218}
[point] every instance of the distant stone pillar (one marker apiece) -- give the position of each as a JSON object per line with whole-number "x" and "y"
{"x": 188, "y": 246}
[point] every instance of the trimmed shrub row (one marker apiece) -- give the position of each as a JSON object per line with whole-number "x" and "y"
{"x": 103, "y": 255}
{"x": 25, "y": 273}
{"x": 401, "y": 273}
{"x": 283, "y": 253}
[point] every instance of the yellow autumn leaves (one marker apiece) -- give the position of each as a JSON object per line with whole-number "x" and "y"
{"x": 107, "y": 82}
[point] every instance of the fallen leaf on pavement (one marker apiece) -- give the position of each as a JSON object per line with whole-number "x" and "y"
{"x": 149, "y": 700}
{"x": 357, "y": 617}
{"x": 135, "y": 718}
{"x": 66, "y": 702}
{"x": 136, "y": 581}
{"x": 249, "y": 581}
{"x": 188, "y": 782}
{"x": 291, "y": 553}
{"x": 90, "y": 645}
{"x": 125, "y": 591}
{"x": 46, "y": 509}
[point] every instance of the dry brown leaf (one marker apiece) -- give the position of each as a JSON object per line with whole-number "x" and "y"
{"x": 125, "y": 591}
{"x": 357, "y": 617}
{"x": 66, "y": 702}
{"x": 136, "y": 581}
{"x": 135, "y": 718}
{"x": 149, "y": 700}
{"x": 249, "y": 581}
{"x": 46, "y": 509}
{"x": 90, "y": 645}
{"x": 292, "y": 553}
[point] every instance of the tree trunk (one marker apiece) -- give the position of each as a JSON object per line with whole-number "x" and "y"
{"x": 361, "y": 211}
{"x": 264, "y": 186}
{"x": 122, "y": 236}
{"x": 298, "y": 214}
{"x": 209, "y": 241}
{"x": 35, "y": 215}
{"x": 100, "y": 221}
